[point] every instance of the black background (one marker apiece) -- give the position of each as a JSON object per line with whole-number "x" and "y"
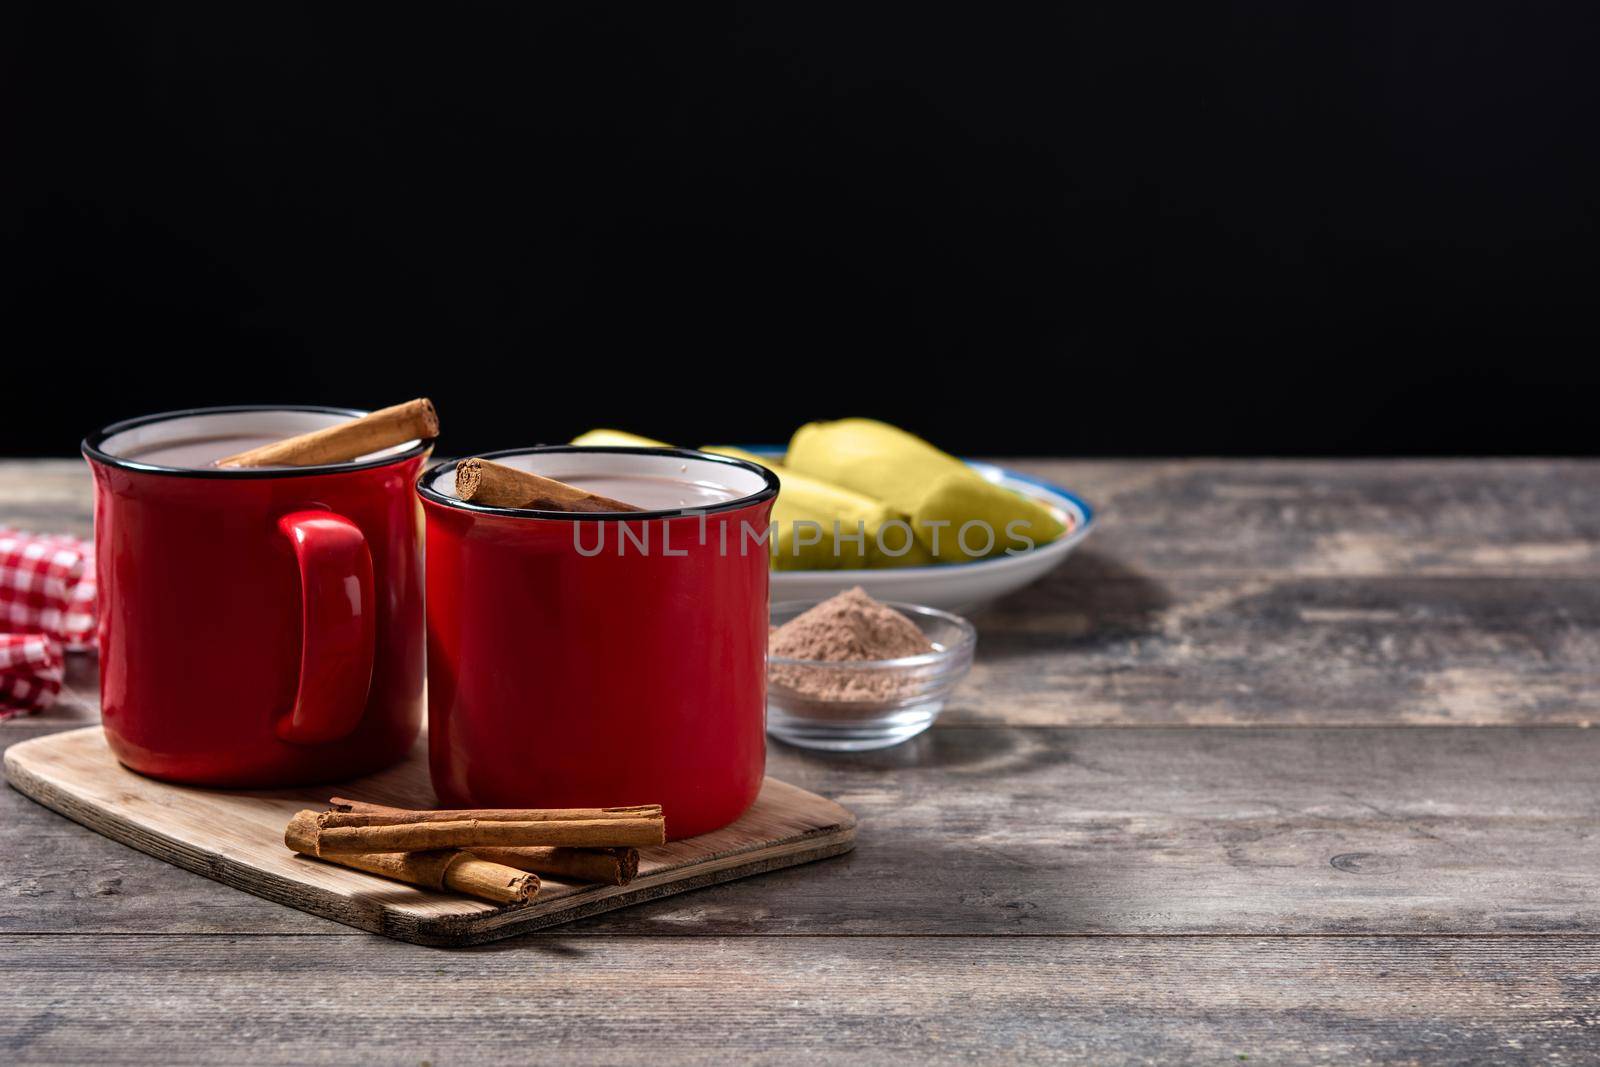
{"x": 1272, "y": 228}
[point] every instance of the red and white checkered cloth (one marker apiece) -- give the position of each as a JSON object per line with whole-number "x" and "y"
{"x": 31, "y": 669}
{"x": 47, "y": 605}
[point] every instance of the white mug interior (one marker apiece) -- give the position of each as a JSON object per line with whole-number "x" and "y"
{"x": 733, "y": 481}
{"x": 266, "y": 423}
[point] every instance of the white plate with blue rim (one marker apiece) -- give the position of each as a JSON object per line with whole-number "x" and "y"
{"x": 957, "y": 587}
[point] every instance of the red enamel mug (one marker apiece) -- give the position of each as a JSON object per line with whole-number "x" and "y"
{"x": 258, "y": 627}
{"x": 580, "y": 660}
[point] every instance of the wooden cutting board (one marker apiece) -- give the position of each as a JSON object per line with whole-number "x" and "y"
{"x": 236, "y": 837}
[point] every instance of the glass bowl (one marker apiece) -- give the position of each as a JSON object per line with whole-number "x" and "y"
{"x": 856, "y": 705}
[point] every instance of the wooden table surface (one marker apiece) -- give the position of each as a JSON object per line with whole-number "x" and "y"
{"x": 1291, "y": 761}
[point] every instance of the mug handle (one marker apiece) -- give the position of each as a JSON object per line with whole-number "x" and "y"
{"x": 337, "y": 631}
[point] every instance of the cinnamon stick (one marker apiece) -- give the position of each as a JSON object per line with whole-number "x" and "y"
{"x": 445, "y": 869}
{"x": 482, "y": 481}
{"x": 608, "y": 866}
{"x": 471, "y": 833}
{"x": 360, "y": 813}
{"x": 414, "y": 420}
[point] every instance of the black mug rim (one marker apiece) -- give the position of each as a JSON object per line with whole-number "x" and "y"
{"x": 767, "y": 492}
{"x": 92, "y": 446}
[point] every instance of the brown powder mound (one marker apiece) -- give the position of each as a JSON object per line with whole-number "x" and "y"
{"x": 850, "y": 626}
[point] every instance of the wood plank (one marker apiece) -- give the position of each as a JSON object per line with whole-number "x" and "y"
{"x": 1080, "y": 648}
{"x": 1157, "y": 621}
{"x": 1202, "y": 831}
{"x": 46, "y": 495}
{"x": 59, "y": 877}
{"x": 547, "y": 998}
{"x": 1216, "y": 592}
{"x": 1052, "y": 831}
{"x": 236, "y": 837}
{"x": 1341, "y": 518}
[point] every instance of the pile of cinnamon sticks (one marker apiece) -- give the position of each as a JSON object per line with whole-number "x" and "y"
{"x": 495, "y": 854}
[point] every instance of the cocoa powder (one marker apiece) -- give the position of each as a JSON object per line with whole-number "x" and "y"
{"x": 849, "y": 627}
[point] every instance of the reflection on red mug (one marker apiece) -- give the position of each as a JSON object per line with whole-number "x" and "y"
{"x": 583, "y": 661}
{"x": 258, "y": 627}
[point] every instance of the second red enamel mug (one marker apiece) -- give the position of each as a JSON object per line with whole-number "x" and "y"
{"x": 578, "y": 660}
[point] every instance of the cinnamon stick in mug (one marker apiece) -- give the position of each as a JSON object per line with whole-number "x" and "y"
{"x": 414, "y": 420}
{"x": 482, "y": 481}
{"x": 470, "y": 833}
{"x": 447, "y": 869}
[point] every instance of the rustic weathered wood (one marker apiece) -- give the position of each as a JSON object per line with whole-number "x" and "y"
{"x": 1085, "y": 648}
{"x": 551, "y": 999}
{"x": 47, "y": 495}
{"x": 236, "y": 837}
{"x": 1412, "y": 603}
{"x": 1077, "y": 650}
{"x": 1185, "y": 831}
{"x": 1228, "y": 593}
{"x": 1344, "y": 519}
{"x": 1043, "y": 831}
{"x": 1206, "y": 517}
